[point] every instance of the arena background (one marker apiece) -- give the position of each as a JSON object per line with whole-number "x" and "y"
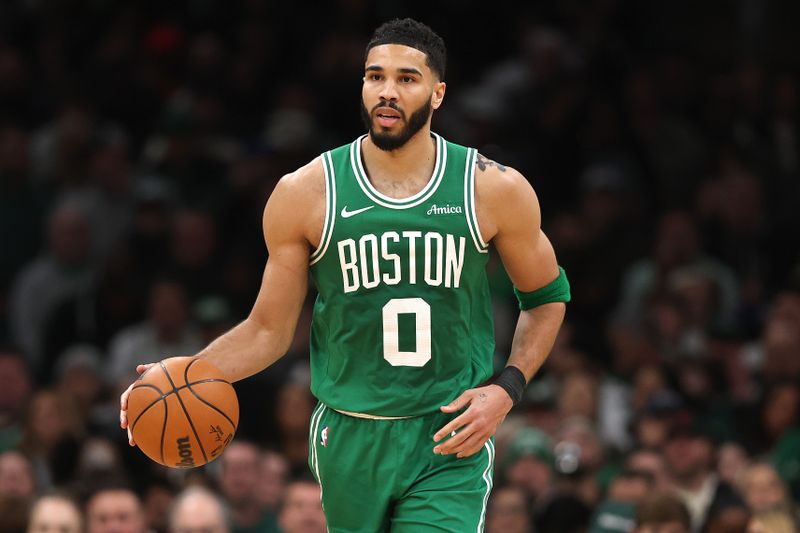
{"x": 140, "y": 140}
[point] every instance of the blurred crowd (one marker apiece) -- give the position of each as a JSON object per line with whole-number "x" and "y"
{"x": 140, "y": 141}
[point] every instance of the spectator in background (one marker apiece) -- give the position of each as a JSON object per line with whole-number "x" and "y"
{"x": 106, "y": 198}
{"x": 763, "y": 490}
{"x": 16, "y": 476}
{"x": 771, "y": 355}
{"x": 577, "y": 396}
{"x": 98, "y": 458}
{"x": 184, "y": 154}
{"x": 676, "y": 249}
{"x": 78, "y": 379}
{"x": 579, "y": 457}
{"x": 508, "y": 511}
{"x": 732, "y": 462}
{"x": 114, "y": 509}
{"x": 727, "y": 519}
{"x": 662, "y": 513}
{"x": 51, "y": 438}
{"x": 15, "y": 386}
{"x": 55, "y": 513}
{"x": 774, "y": 521}
{"x": 272, "y": 480}
{"x": 631, "y": 486}
{"x": 238, "y": 481}
{"x": 731, "y": 209}
{"x": 23, "y": 205}
{"x": 701, "y": 386}
{"x": 301, "y": 511}
{"x": 671, "y": 145}
{"x": 59, "y": 149}
{"x": 528, "y": 464}
{"x": 564, "y": 513}
{"x": 198, "y": 510}
{"x": 293, "y": 408}
{"x": 781, "y": 339}
{"x": 690, "y": 459}
{"x": 651, "y": 463}
{"x": 158, "y": 496}
{"x": 17, "y": 490}
{"x": 13, "y": 516}
{"x": 167, "y": 330}
{"x": 778, "y": 433}
{"x": 194, "y": 252}
{"x": 697, "y": 300}
{"x": 611, "y": 236}
{"x": 617, "y": 513}
{"x": 149, "y": 233}
{"x": 662, "y": 408}
{"x": 213, "y": 317}
{"x": 63, "y": 271}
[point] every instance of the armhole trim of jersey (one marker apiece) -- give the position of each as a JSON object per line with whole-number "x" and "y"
{"x": 330, "y": 208}
{"x": 469, "y": 202}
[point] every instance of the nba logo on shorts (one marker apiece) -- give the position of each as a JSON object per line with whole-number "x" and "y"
{"x": 324, "y": 436}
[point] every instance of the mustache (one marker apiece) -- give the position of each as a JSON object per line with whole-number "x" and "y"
{"x": 388, "y": 103}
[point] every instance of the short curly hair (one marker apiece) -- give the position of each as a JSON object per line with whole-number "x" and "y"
{"x": 410, "y": 32}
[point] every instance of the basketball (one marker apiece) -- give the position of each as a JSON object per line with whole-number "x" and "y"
{"x": 182, "y": 412}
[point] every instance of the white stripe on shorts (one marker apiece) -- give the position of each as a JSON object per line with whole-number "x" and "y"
{"x": 487, "y": 476}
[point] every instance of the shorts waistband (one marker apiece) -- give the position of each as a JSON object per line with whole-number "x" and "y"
{"x": 369, "y": 416}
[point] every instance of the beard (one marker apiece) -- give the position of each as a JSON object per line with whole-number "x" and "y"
{"x": 387, "y": 141}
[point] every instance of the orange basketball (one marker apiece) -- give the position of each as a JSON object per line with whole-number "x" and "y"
{"x": 183, "y": 412}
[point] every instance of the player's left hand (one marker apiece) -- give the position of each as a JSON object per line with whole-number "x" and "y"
{"x": 487, "y": 407}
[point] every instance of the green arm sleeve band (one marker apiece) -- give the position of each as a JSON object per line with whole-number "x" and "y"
{"x": 555, "y": 291}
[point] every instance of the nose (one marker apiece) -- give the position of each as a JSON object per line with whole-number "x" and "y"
{"x": 388, "y": 91}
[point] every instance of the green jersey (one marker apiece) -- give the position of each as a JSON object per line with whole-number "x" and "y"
{"x": 403, "y": 321}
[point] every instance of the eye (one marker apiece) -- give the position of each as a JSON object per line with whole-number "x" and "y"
{"x": 407, "y": 79}
{"x": 374, "y": 77}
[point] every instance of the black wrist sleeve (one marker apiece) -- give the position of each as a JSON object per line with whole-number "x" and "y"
{"x": 512, "y": 380}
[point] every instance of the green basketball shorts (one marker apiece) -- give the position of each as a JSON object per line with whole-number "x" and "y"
{"x": 381, "y": 476}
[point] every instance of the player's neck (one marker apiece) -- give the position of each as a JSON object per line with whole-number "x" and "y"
{"x": 413, "y": 159}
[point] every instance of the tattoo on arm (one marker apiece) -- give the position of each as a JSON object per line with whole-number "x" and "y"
{"x": 483, "y": 163}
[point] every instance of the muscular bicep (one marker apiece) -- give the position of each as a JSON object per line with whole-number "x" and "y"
{"x": 525, "y": 250}
{"x": 283, "y": 288}
{"x": 530, "y": 263}
{"x": 285, "y": 281}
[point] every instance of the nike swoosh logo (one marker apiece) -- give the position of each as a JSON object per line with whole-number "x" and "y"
{"x": 348, "y": 214}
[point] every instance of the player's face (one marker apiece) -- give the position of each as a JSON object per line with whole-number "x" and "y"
{"x": 399, "y": 94}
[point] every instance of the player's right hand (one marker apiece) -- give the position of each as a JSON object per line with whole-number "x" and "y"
{"x": 123, "y": 403}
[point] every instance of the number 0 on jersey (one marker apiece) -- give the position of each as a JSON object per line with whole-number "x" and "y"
{"x": 421, "y": 311}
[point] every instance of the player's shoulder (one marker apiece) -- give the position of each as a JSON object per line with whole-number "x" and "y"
{"x": 308, "y": 179}
{"x": 494, "y": 180}
{"x": 299, "y": 191}
{"x": 296, "y": 207}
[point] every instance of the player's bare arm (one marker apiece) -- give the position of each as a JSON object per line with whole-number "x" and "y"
{"x": 508, "y": 215}
{"x": 292, "y": 228}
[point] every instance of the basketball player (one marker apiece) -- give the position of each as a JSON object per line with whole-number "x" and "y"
{"x": 395, "y": 229}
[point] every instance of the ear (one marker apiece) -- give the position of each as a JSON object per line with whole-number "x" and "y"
{"x": 438, "y": 94}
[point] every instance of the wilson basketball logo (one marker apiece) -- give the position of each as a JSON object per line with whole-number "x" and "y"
{"x": 185, "y": 452}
